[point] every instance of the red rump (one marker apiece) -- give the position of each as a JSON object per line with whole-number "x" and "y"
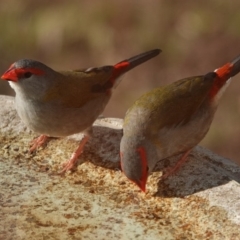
{"x": 119, "y": 69}
{"x": 225, "y": 71}
{"x": 121, "y": 66}
{"x": 223, "y": 74}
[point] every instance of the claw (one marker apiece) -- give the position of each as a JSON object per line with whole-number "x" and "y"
{"x": 68, "y": 165}
{"x": 38, "y": 142}
{"x": 177, "y": 166}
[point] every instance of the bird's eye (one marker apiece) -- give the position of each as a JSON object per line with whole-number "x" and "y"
{"x": 27, "y": 74}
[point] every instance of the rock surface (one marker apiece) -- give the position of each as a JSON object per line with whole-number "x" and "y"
{"x": 96, "y": 201}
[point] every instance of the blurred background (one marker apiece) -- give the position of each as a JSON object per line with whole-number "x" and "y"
{"x": 195, "y": 36}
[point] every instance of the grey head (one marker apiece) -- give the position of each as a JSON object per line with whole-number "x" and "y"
{"x": 28, "y": 76}
{"x": 137, "y": 158}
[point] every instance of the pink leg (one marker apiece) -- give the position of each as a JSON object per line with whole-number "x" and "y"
{"x": 71, "y": 162}
{"x": 177, "y": 166}
{"x": 38, "y": 142}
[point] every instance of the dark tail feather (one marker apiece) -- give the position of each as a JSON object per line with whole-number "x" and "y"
{"x": 128, "y": 64}
{"x": 236, "y": 66}
{"x": 139, "y": 59}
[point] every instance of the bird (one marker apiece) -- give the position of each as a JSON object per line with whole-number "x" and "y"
{"x": 171, "y": 120}
{"x": 61, "y": 103}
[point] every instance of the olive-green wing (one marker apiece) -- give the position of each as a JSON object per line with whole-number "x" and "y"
{"x": 172, "y": 104}
{"x": 74, "y": 88}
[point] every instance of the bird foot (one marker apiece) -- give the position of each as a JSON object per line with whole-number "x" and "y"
{"x": 169, "y": 172}
{"x": 174, "y": 169}
{"x": 37, "y": 142}
{"x": 68, "y": 165}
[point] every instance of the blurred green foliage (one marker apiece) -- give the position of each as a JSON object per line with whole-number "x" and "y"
{"x": 195, "y": 36}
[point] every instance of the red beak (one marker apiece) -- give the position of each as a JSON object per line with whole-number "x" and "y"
{"x": 10, "y": 75}
{"x": 141, "y": 185}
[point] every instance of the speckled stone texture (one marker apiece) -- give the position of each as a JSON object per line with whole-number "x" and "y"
{"x": 96, "y": 201}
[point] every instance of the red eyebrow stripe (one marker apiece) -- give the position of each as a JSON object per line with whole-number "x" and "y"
{"x": 36, "y": 71}
{"x": 13, "y": 74}
{"x": 143, "y": 157}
